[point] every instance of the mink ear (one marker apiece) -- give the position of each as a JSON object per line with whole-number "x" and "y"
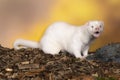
{"x": 88, "y": 23}
{"x": 102, "y": 23}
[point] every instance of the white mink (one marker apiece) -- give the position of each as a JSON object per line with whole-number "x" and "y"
{"x": 61, "y": 36}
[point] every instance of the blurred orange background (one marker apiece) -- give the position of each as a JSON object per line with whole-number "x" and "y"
{"x": 28, "y": 19}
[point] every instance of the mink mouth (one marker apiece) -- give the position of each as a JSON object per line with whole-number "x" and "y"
{"x": 97, "y": 32}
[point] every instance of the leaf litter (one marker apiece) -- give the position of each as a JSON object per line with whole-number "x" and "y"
{"x": 33, "y": 64}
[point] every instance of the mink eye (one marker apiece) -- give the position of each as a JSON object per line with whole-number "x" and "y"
{"x": 100, "y": 26}
{"x": 92, "y": 26}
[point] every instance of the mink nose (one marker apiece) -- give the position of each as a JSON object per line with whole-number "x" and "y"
{"x": 96, "y": 28}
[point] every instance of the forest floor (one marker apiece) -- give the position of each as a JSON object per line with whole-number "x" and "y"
{"x": 33, "y": 64}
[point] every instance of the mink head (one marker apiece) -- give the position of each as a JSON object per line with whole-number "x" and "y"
{"x": 95, "y": 28}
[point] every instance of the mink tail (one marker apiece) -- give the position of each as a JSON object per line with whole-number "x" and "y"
{"x": 21, "y": 43}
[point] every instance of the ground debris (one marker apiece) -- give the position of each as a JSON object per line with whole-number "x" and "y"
{"x": 33, "y": 64}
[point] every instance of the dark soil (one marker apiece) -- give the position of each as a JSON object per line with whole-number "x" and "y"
{"x": 33, "y": 64}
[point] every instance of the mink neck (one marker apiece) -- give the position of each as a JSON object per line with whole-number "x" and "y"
{"x": 87, "y": 32}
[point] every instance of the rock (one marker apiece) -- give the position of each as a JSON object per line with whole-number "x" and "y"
{"x": 108, "y": 53}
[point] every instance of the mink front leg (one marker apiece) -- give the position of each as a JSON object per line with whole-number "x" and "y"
{"x": 77, "y": 52}
{"x": 85, "y": 52}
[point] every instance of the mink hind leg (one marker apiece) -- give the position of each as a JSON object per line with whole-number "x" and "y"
{"x": 50, "y": 48}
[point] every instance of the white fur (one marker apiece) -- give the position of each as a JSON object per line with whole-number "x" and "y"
{"x": 61, "y": 36}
